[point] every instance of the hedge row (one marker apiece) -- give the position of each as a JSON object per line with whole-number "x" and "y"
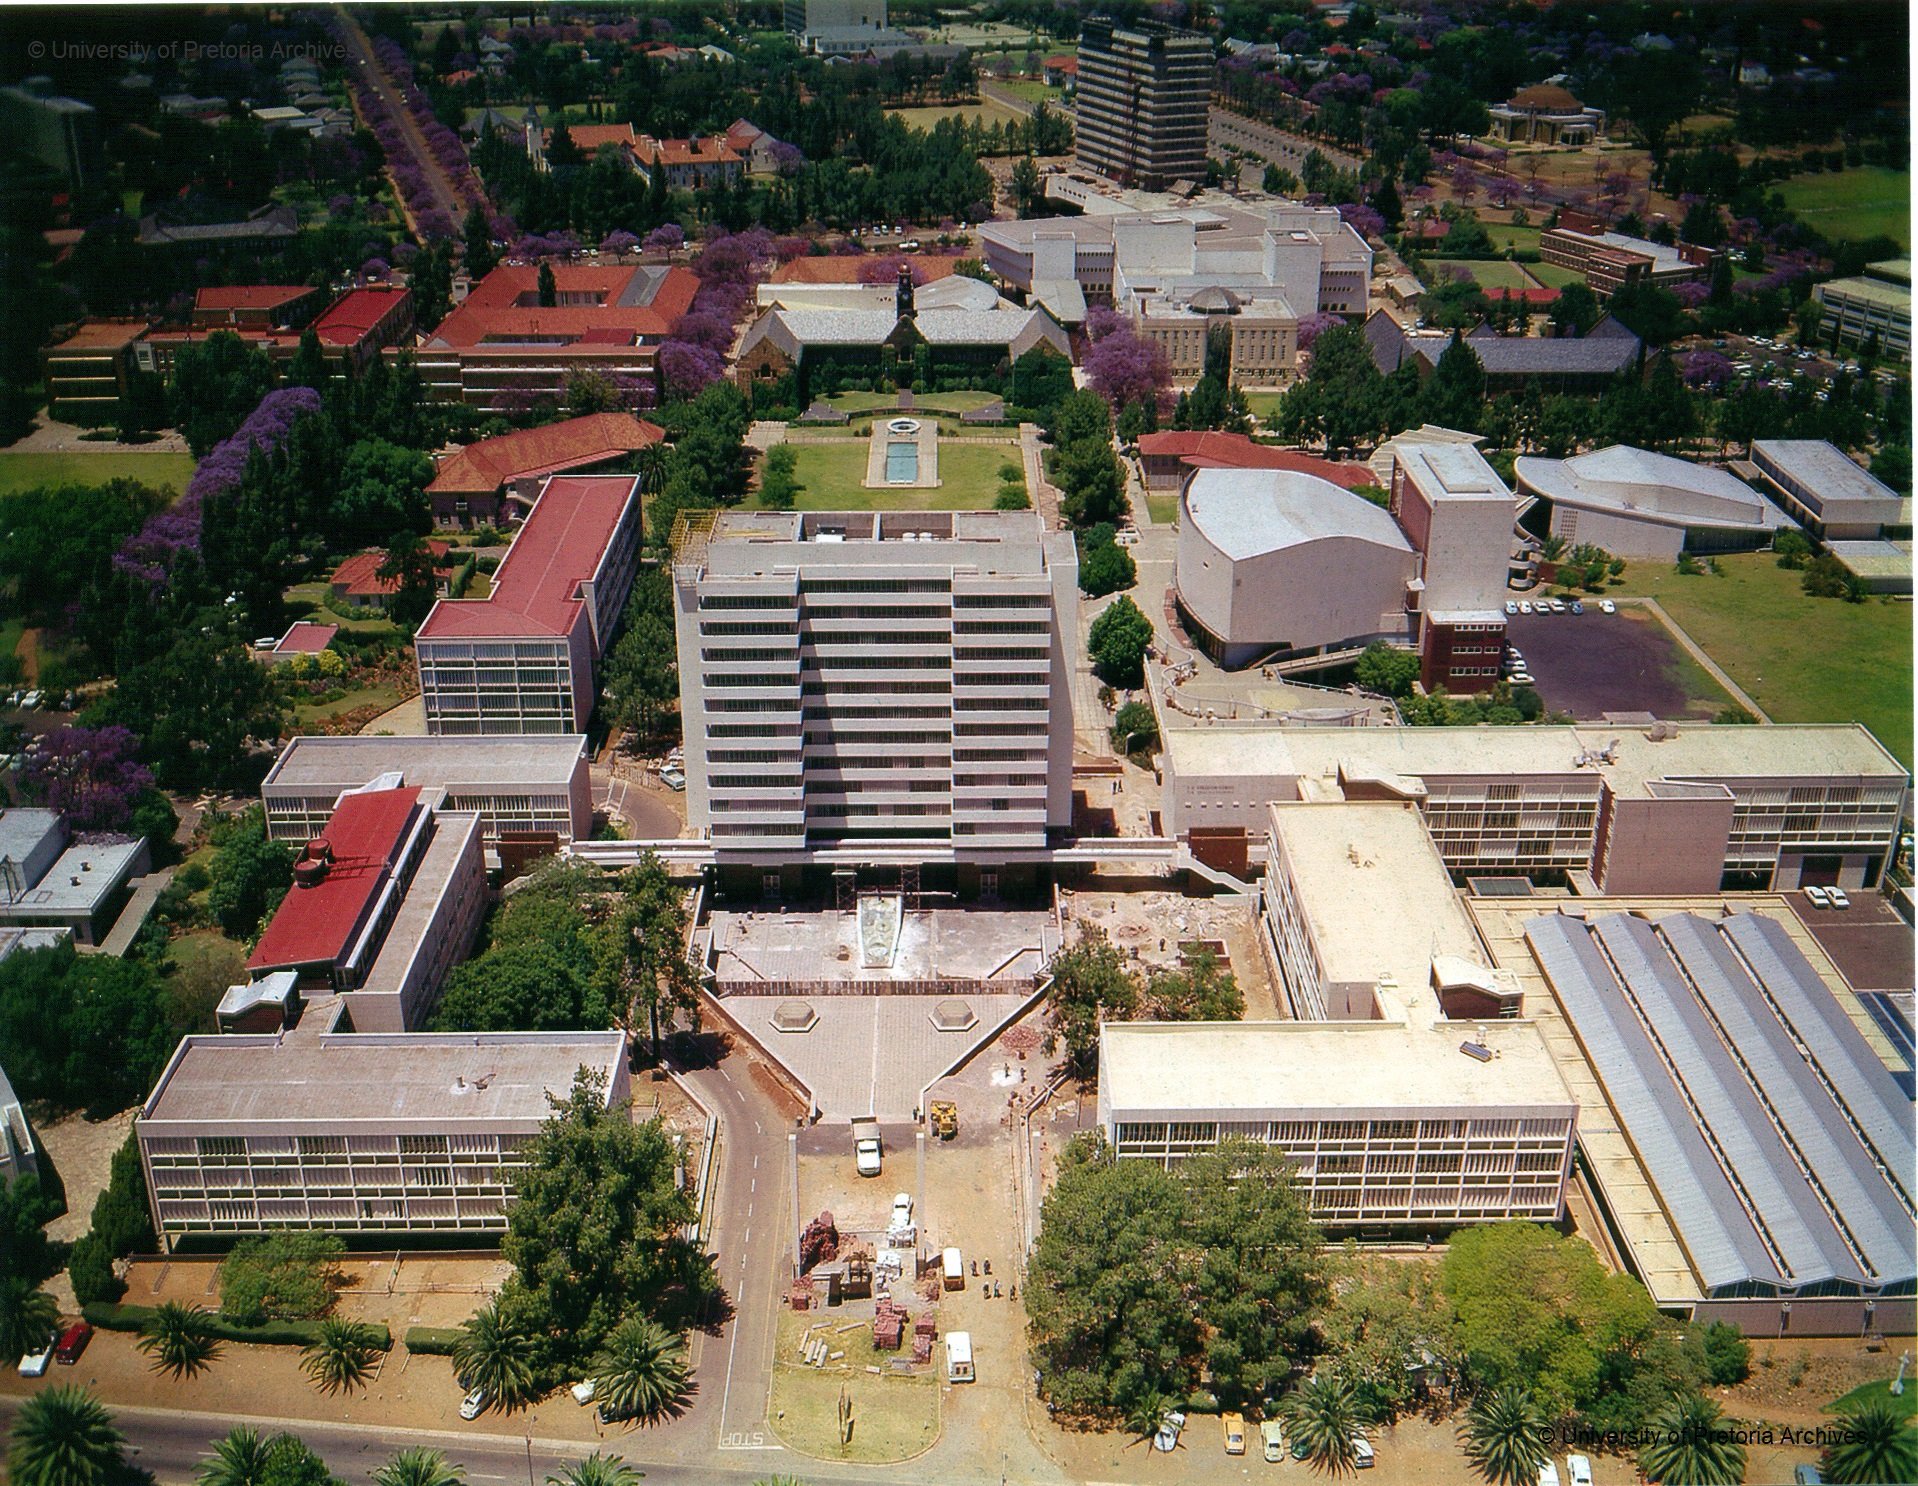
{"x": 110, "y": 1317}
{"x": 432, "y": 1341}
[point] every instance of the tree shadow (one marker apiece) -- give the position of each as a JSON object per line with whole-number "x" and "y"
{"x": 689, "y": 1051}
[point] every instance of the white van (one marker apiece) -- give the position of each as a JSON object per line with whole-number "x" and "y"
{"x": 954, "y": 1268}
{"x": 959, "y": 1357}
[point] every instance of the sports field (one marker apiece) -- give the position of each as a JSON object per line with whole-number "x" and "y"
{"x": 1491, "y": 274}
{"x": 1866, "y": 201}
{"x": 987, "y": 112}
{"x": 20, "y": 471}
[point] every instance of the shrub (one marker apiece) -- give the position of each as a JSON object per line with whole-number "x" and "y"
{"x": 433, "y": 1341}
{"x": 272, "y": 1334}
{"x": 281, "y": 1276}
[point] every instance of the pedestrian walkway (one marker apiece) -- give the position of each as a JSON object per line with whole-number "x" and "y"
{"x": 133, "y": 917}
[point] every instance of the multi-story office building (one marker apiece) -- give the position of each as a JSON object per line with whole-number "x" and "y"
{"x": 1876, "y": 302}
{"x": 1407, "y": 1090}
{"x": 1458, "y": 516}
{"x": 1144, "y": 91}
{"x": 523, "y": 659}
{"x": 86, "y": 374}
{"x": 876, "y": 682}
{"x": 1677, "y": 808}
{"x": 1832, "y": 495}
{"x": 532, "y": 791}
{"x": 1611, "y": 260}
{"x": 355, "y": 1133}
{"x": 63, "y": 134}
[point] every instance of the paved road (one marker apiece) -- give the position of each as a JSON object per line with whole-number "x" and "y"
{"x": 364, "y": 69}
{"x": 173, "y": 1445}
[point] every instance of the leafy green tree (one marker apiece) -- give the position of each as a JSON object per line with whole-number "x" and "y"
{"x": 1506, "y": 1437}
{"x": 1828, "y": 578}
{"x": 1882, "y": 1445}
{"x": 290, "y": 1462}
{"x": 419, "y": 1466}
{"x": 597, "y": 1469}
{"x": 1892, "y": 464}
{"x": 198, "y": 705}
{"x": 1728, "y": 1355}
{"x": 64, "y": 1437}
{"x": 28, "y": 1317}
{"x": 495, "y": 1352}
{"x": 477, "y": 255}
{"x": 1202, "y": 991}
{"x": 1117, "y": 642}
{"x": 778, "y": 488}
{"x": 308, "y": 367}
{"x": 1343, "y": 401}
{"x": 642, "y": 673}
{"x": 216, "y": 383}
{"x": 1090, "y": 985}
{"x": 57, "y": 541}
{"x": 1387, "y": 670}
{"x": 280, "y": 1276}
{"x": 382, "y": 492}
{"x": 1690, "y": 1446}
{"x": 410, "y": 564}
{"x": 81, "y": 1032}
{"x": 90, "y": 1271}
{"x": 1576, "y": 309}
{"x": 1135, "y": 726}
{"x": 240, "y": 1458}
{"x": 641, "y": 1373}
{"x": 250, "y": 874}
{"x": 597, "y": 1230}
{"x": 1385, "y": 1321}
{"x": 1104, "y": 566}
{"x": 179, "y": 1339}
{"x": 1111, "y": 1327}
{"x": 1323, "y": 1414}
{"x": 1454, "y": 397}
{"x": 548, "y": 290}
{"x": 1091, "y": 482}
{"x": 341, "y": 1358}
{"x": 658, "y": 982}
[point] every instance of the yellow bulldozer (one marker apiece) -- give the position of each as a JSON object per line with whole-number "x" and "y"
{"x": 944, "y": 1118}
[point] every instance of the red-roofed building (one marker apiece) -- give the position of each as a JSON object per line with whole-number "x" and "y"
{"x": 703, "y": 162}
{"x": 303, "y": 637}
{"x": 384, "y": 902}
{"x": 523, "y": 659}
{"x": 256, "y": 306}
{"x": 1061, "y": 71}
{"x": 495, "y": 479}
{"x": 360, "y": 324}
{"x": 1167, "y": 460}
{"x": 501, "y": 350}
{"x": 754, "y": 146}
{"x": 358, "y": 584}
{"x": 588, "y": 139}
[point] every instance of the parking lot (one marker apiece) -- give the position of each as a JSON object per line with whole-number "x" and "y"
{"x": 1868, "y": 941}
{"x": 1589, "y": 664}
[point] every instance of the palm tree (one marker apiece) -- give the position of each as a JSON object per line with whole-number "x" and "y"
{"x": 595, "y": 1470}
{"x": 419, "y": 1467}
{"x": 1687, "y": 1448}
{"x": 28, "y": 1318}
{"x": 1507, "y": 1437}
{"x": 1323, "y": 1415}
{"x": 1147, "y": 1413}
{"x": 63, "y": 1437}
{"x": 179, "y": 1338}
{"x": 496, "y": 1354}
{"x": 341, "y": 1358}
{"x": 640, "y": 1373}
{"x": 1882, "y": 1446}
{"x": 238, "y": 1460}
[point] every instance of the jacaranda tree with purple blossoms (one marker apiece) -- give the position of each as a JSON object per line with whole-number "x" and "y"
{"x": 93, "y": 776}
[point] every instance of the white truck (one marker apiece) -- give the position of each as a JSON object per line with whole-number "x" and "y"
{"x": 867, "y": 1154}
{"x": 959, "y": 1357}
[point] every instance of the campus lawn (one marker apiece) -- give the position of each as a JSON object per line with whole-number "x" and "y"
{"x": 1865, "y": 201}
{"x": 308, "y": 601}
{"x": 1878, "y": 1392}
{"x": 1554, "y": 275}
{"x": 1164, "y": 508}
{"x": 1491, "y": 274}
{"x": 986, "y": 112}
{"x": 833, "y": 474}
{"x": 1504, "y": 235}
{"x": 1802, "y": 659}
{"x": 23, "y": 471}
{"x": 1030, "y": 89}
{"x": 383, "y": 695}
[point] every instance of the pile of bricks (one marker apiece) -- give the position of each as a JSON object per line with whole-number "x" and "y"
{"x": 888, "y": 1326}
{"x": 923, "y": 1331}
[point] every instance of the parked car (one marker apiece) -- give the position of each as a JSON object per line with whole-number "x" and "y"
{"x": 1362, "y": 1457}
{"x": 73, "y": 1341}
{"x": 1510, "y": 607}
{"x": 1548, "y": 1474}
{"x": 30, "y": 701}
{"x": 1521, "y": 678}
{"x": 1272, "y": 1436}
{"x": 1525, "y": 606}
{"x": 1807, "y": 1475}
{"x": 902, "y": 1210}
{"x": 1577, "y": 607}
{"x": 1558, "y": 606}
{"x": 1234, "y": 1427}
{"x": 1579, "y": 1467}
{"x": 475, "y": 1403}
{"x": 866, "y": 1157}
{"x": 1817, "y": 897}
{"x": 1167, "y": 1438}
{"x": 673, "y": 778}
{"x": 34, "y": 1364}
{"x": 583, "y": 1392}
{"x": 1837, "y": 897}
{"x": 1606, "y": 606}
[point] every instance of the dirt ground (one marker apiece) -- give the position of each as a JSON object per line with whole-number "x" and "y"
{"x": 81, "y": 1153}
{"x": 1592, "y": 663}
{"x": 391, "y": 1289}
{"x": 895, "y": 1416}
{"x": 1149, "y": 927}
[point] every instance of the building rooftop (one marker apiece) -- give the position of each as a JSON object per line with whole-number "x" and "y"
{"x": 249, "y": 297}
{"x": 550, "y": 449}
{"x": 533, "y": 761}
{"x": 24, "y": 829}
{"x": 337, "y": 1081}
{"x": 846, "y": 268}
{"x": 1375, "y": 852}
{"x": 359, "y": 576}
{"x": 304, "y": 637}
{"x": 1449, "y": 470}
{"x": 1645, "y": 486}
{"x": 102, "y": 335}
{"x": 1246, "y": 513}
{"x": 82, "y": 877}
{"x": 1210, "y": 449}
{"x": 1825, "y": 468}
{"x": 19, "y": 941}
{"x": 1873, "y": 291}
{"x": 1238, "y": 1069}
{"x": 613, "y": 304}
{"x": 353, "y": 317}
{"x": 317, "y": 925}
{"x": 705, "y": 149}
{"x": 1693, "y": 751}
{"x": 453, "y": 835}
{"x": 1873, "y": 559}
{"x": 536, "y": 591}
{"x": 755, "y": 543}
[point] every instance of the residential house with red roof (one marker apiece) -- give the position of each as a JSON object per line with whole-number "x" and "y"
{"x": 502, "y": 350}
{"x": 497, "y": 479}
{"x": 384, "y": 902}
{"x": 703, "y": 162}
{"x": 357, "y": 582}
{"x": 523, "y": 659}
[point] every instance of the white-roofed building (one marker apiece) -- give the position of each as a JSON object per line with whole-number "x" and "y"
{"x": 48, "y": 880}
{"x": 16, "y": 1136}
{"x": 1826, "y": 491}
{"x": 1458, "y": 515}
{"x": 1272, "y": 563}
{"x": 1641, "y": 505}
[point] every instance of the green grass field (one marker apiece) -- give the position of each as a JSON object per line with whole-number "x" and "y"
{"x": 1504, "y": 235}
{"x": 987, "y": 112}
{"x": 20, "y": 471}
{"x": 1264, "y": 405}
{"x": 1164, "y": 507}
{"x": 1802, "y": 659}
{"x": 1030, "y": 89}
{"x": 1878, "y": 1392}
{"x": 308, "y": 601}
{"x": 832, "y": 474}
{"x": 1490, "y": 274}
{"x": 1866, "y": 201}
{"x": 1554, "y": 275}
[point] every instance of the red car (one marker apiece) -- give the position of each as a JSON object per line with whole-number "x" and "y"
{"x": 73, "y": 1341}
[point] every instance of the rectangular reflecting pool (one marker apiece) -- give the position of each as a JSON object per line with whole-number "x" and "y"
{"x": 902, "y": 463}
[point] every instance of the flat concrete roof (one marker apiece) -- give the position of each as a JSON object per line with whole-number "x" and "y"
{"x": 771, "y": 947}
{"x": 319, "y": 763}
{"x": 453, "y": 831}
{"x": 1874, "y": 559}
{"x": 1376, "y": 895}
{"x": 1443, "y": 469}
{"x": 1237, "y": 1069}
{"x": 1826, "y": 469}
{"x": 22, "y": 830}
{"x": 336, "y": 1081}
{"x": 1872, "y": 291}
{"x": 1779, "y": 751}
{"x": 82, "y": 878}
